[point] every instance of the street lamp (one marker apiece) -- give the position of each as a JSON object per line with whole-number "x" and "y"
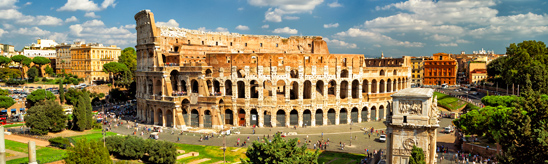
{"x": 350, "y": 132}
{"x": 224, "y": 144}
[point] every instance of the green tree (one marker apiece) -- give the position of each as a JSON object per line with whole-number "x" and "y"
{"x": 417, "y": 156}
{"x": 71, "y": 96}
{"x": 88, "y": 151}
{"x": 115, "y": 70}
{"x": 89, "y": 108}
{"x": 46, "y": 117}
{"x": 49, "y": 70}
{"x": 4, "y": 92}
{"x": 79, "y": 115}
{"x": 128, "y": 57}
{"x": 40, "y": 61}
{"x": 284, "y": 152}
{"x": 133, "y": 147}
{"x": 61, "y": 93}
{"x": 161, "y": 152}
{"x": 6, "y": 102}
{"x": 39, "y": 95}
{"x": 19, "y": 59}
{"x": 32, "y": 73}
{"x": 4, "y": 61}
{"x": 114, "y": 143}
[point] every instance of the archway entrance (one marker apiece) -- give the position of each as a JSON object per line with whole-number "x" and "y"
{"x": 241, "y": 117}
{"x": 160, "y": 116}
{"x": 207, "y": 119}
{"x": 331, "y": 116}
{"x": 280, "y": 118}
{"x": 307, "y": 117}
{"x": 267, "y": 119}
{"x": 364, "y": 114}
{"x": 169, "y": 118}
{"x": 194, "y": 118}
{"x": 354, "y": 115}
{"x": 319, "y": 117}
{"x": 343, "y": 118}
{"x": 294, "y": 117}
{"x": 186, "y": 117}
{"x": 374, "y": 113}
{"x": 381, "y": 112}
{"x": 229, "y": 117}
{"x": 254, "y": 117}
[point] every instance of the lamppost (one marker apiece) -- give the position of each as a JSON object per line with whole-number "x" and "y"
{"x": 224, "y": 145}
{"x": 350, "y": 133}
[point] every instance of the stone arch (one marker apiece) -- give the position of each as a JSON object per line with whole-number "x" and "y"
{"x": 241, "y": 89}
{"x": 319, "y": 87}
{"x": 150, "y": 86}
{"x": 241, "y": 73}
{"x": 280, "y": 118}
{"x": 294, "y": 117}
{"x": 294, "y": 91}
{"x": 399, "y": 83}
{"x": 394, "y": 85}
{"x": 267, "y": 88}
{"x": 159, "y": 117}
{"x": 344, "y": 89}
{"x": 319, "y": 117}
{"x": 373, "y": 113}
{"x": 364, "y": 114}
{"x": 216, "y": 87}
{"x": 280, "y": 88}
{"x": 331, "y": 116}
{"x": 254, "y": 117}
{"x": 228, "y": 87}
{"x": 331, "y": 88}
{"x": 229, "y": 117}
{"x": 343, "y": 116}
{"x": 174, "y": 78}
{"x": 344, "y": 73}
{"x": 381, "y": 86}
{"x": 194, "y": 86}
{"x": 194, "y": 118}
{"x": 169, "y": 118}
{"x": 365, "y": 85}
{"x": 294, "y": 73}
{"x": 241, "y": 117}
{"x": 374, "y": 86}
{"x": 267, "y": 116}
{"x": 355, "y": 89}
{"x": 183, "y": 87}
{"x": 209, "y": 87}
{"x": 208, "y": 72}
{"x": 207, "y": 119}
{"x": 354, "y": 115}
{"x": 388, "y": 85}
{"x": 307, "y": 89}
{"x": 253, "y": 89}
{"x": 395, "y": 73}
{"x": 158, "y": 87}
{"x": 382, "y": 112}
{"x": 186, "y": 116}
{"x": 307, "y": 117}
{"x": 381, "y": 73}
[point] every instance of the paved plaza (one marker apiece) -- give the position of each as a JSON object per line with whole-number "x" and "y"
{"x": 335, "y": 133}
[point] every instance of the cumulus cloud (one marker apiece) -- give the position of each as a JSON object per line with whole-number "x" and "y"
{"x": 130, "y": 26}
{"x": 221, "y": 29}
{"x": 71, "y": 19}
{"x": 279, "y": 8}
{"x": 448, "y": 44}
{"x": 242, "y": 27}
{"x": 2, "y": 32}
{"x": 377, "y": 37}
{"x": 332, "y": 25}
{"x": 334, "y": 4}
{"x": 291, "y": 18}
{"x": 89, "y": 31}
{"x": 169, "y": 23}
{"x": 58, "y": 37}
{"x": 86, "y": 5}
{"x": 285, "y": 30}
{"x": 7, "y": 4}
{"x": 107, "y": 3}
{"x": 91, "y": 15}
{"x": 339, "y": 43}
{"x": 265, "y": 26}
{"x": 34, "y": 31}
{"x": 20, "y": 18}
{"x": 28, "y": 3}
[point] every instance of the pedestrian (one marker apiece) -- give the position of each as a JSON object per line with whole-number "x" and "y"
{"x": 178, "y": 139}
{"x": 314, "y": 145}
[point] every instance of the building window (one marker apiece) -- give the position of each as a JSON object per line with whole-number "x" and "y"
{"x": 276, "y": 44}
{"x": 216, "y": 43}
{"x": 230, "y": 43}
{"x": 203, "y": 43}
{"x": 261, "y": 44}
{"x": 245, "y": 44}
{"x": 228, "y": 59}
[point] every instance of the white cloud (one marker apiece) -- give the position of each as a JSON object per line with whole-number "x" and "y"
{"x": 334, "y": 4}
{"x": 86, "y": 5}
{"x": 94, "y": 22}
{"x": 221, "y": 29}
{"x": 202, "y": 29}
{"x": 377, "y": 37}
{"x": 442, "y": 38}
{"x": 97, "y": 31}
{"x": 448, "y": 44}
{"x": 339, "y": 43}
{"x": 169, "y": 23}
{"x": 7, "y": 4}
{"x": 463, "y": 41}
{"x": 91, "y": 15}
{"x": 2, "y": 32}
{"x": 28, "y": 3}
{"x": 279, "y": 8}
{"x": 285, "y": 30}
{"x": 242, "y": 27}
{"x": 8, "y": 26}
{"x": 332, "y": 25}
{"x": 130, "y": 26}
{"x": 265, "y": 26}
{"x": 58, "y": 37}
{"x": 71, "y": 19}
{"x": 240, "y": 9}
{"x": 291, "y": 18}
{"x": 39, "y": 20}
{"x": 34, "y": 31}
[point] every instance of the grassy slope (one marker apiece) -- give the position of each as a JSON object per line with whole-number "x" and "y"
{"x": 452, "y": 103}
{"x": 44, "y": 154}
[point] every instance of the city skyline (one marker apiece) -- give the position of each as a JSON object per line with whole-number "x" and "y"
{"x": 397, "y": 28}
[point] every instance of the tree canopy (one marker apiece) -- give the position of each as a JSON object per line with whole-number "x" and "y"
{"x": 417, "y": 156}
{"x": 19, "y": 59}
{"x": 40, "y": 61}
{"x": 46, "y": 116}
{"x": 39, "y": 95}
{"x": 32, "y": 73}
{"x": 117, "y": 71}
{"x": 6, "y": 102}
{"x": 49, "y": 70}
{"x": 88, "y": 151}
{"x": 4, "y": 61}
{"x": 279, "y": 151}
{"x": 129, "y": 58}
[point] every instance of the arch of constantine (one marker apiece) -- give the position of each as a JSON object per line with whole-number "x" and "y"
{"x": 191, "y": 78}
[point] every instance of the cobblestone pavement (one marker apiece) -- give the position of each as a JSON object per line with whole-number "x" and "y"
{"x": 335, "y": 133}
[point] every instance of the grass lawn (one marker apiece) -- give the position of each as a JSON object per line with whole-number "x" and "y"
{"x": 215, "y": 153}
{"x": 450, "y": 102}
{"x": 13, "y": 125}
{"x": 327, "y": 156}
{"x": 95, "y": 135}
{"x": 43, "y": 154}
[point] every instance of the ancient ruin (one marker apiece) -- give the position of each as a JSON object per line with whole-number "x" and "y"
{"x": 191, "y": 78}
{"x": 413, "y": 122}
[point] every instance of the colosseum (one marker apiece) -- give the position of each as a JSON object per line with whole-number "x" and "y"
{"x": 190, "y": 78}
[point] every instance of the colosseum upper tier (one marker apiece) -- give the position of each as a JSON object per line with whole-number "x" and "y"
{"x": 190, "y": 78}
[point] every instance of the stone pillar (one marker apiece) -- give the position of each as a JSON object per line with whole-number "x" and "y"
{"x": 368, "y": 114}
{"x": 338, "y": 90}
{"x": 155, "y": 116}
{"x": 300, "y": 123}
{"x": 273, "y": 119}
{"x": 164, "y": 115}
{"x": 287, "y": 118}
{"x": 2, "y": 146}
{"x": 360, "y": 90}
{"x": 378, "y": 87}
{"x": 313, "y": 118}
{"x": 360, "y": 115}
{"x": 324, "y": 117}
{"x": 174, "y": 121}
{"x": 337, "y": 120}
{"x": 376, "y": 114}
{"x": 32, "y": 152}
{"x": 368, "y": 88}
{"x": 200, "y": 118}
{"x": 260, "y": 113}
{"x": 247, "y": 118}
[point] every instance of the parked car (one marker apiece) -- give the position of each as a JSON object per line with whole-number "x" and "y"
{"x": 382, "y": 138}
{"x": 448, "y": 129}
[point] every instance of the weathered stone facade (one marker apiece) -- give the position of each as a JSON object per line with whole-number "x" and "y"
{"x": 210, "y": 79}
{"x": 413, "y": 122}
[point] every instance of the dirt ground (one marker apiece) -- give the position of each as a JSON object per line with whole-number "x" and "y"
{"x": 26, "y": 140}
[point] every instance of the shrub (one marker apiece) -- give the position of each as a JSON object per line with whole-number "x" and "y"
{"x": 161, "y": 152}
{"x": 88, "y": 151}
{"x": 114, "y": 143}
{"x": 133, "y": 148}
{"x": 59, "y": 142}
{"x": 44, "y": 79}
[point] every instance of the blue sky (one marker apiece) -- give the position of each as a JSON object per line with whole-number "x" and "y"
{"x": 397, "y": 28}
